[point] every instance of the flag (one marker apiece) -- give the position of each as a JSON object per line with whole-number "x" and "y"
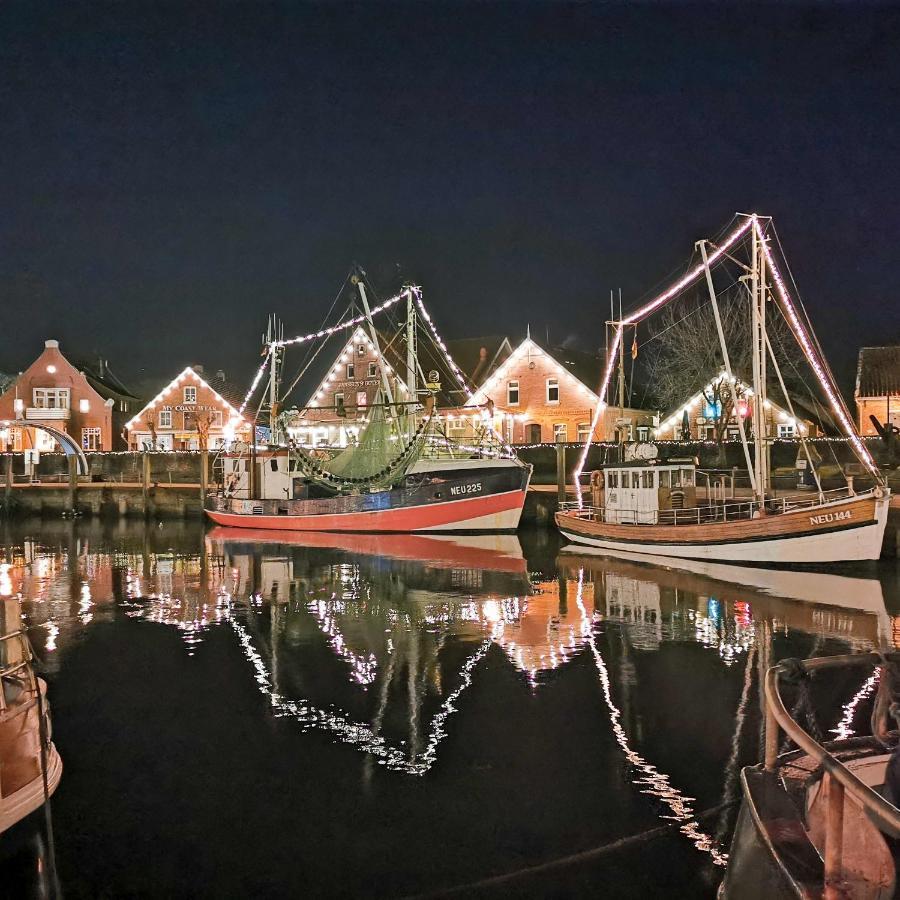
{"x": 634, "y": 346}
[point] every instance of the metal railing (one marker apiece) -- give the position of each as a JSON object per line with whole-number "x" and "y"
{"x": 10, "y": 670}
{"x": 838, "y": 779}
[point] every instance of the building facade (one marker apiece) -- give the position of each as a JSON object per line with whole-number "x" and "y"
{"x": 540, "y": 396}
{"x": 877, "y": 390}
{"x": 188, "y": 414}
{"x": 699, "y": 418}
{"x": 54, "y": 392}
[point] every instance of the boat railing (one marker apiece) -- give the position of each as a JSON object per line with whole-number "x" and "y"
{"x": 13, "y": 668}
{"x": 838, "y": 779}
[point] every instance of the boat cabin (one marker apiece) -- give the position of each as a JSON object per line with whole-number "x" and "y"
{"x": 634, "y": 493}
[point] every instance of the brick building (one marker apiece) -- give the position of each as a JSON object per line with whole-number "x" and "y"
{"x": 878, "y": 387}
{"x": 188, "y": 409}
{"x": 54, "y": 392}
{"x": 542, "y": 395}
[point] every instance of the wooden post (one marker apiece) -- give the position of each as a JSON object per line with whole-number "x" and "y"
{"x": 145, "y": 482}
{"x": 9, "y": 479}
{"x": 834, "y": 836}
{"x": 73, "y": 482}
{"x": 204, "y": 475}
{"x": 560, "y": 471}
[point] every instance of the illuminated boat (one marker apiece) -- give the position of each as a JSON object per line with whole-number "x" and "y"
{"x": 397, "y": 471}
{"x": 820, "y": 820}
{"x": 30, "y": 767}
{"x": 654, "y": 508}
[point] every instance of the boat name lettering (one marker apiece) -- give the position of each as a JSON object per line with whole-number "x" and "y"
{"x": 830, "y": 517}
{"x": 459, "y": 489}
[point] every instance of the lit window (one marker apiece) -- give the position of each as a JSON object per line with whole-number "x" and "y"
{"x": 512, "y": 393}
{"x": 560, "y": 432}
{"x": 361, "y": 350}
{"x": 165, "y": 418}
{"x": 351, "y": 370}
{"x": 190, "y": 394}
{"x": 584, "y": 430}
{"x": 553, "y": 390}
{"x": 51, "y": 398}
{"x": 51, "y": 369}
{"x": 90, "y": 438}
{"x": 786, "y": 430}
{"x": 216, "y": 419}
{"x": 373, "y": 370}
{"x": 83, "y": 405}
{"x": 361, "y": 399}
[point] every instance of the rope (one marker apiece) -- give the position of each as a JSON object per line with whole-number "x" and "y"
{"x": 563, "y": 862}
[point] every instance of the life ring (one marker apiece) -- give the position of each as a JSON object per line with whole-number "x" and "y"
{"x": 597, "y": 479}
{"x": 878, "y": 492}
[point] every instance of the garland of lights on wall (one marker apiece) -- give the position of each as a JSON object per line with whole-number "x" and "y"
{"x": 793, "y": 319}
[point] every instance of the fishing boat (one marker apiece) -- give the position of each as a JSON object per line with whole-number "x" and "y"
{"x": 395, "y": 469}
{"x": 30, "y": 767}
{"x": 652, "y": 507}
{"x": 819, "y": 819}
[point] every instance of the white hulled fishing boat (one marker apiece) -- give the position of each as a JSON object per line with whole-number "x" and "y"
{"x": 398, "y": 471}
{"x": 654, "y": 509}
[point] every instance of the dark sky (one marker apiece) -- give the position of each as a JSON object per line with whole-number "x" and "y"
{"x": 171, "y": 173}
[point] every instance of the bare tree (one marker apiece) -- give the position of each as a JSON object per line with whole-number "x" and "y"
{"x": 685, "y": 354}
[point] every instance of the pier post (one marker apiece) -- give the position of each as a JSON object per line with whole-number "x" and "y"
{"x": 204, "y": 476}
{"x": 560, "y": 471}
{"x": 73, "y": 482}
{"x": 145, "y": 483}
{"x": 9, "y": 479}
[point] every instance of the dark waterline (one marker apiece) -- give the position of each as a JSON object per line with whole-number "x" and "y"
{"x": 397, "y": 716}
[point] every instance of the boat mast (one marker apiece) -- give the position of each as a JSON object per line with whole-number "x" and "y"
{"x": 411, "y": 359}
{"x": 758, "y": 352}
{"x": 272, "y": 338}
{"x": 385, "y": 383}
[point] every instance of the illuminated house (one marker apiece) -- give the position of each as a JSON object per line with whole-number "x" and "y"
{"x": 878, "y": 387}
{"x": 543, "y": 396}
{"x": 187, "y": 411}
{"x": 702, "y": 415}
{"x": 54, "y": 392}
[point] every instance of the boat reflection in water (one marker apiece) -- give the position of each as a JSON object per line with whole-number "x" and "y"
{"x": 636, "y": 684}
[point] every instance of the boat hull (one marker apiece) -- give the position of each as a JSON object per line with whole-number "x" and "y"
{"x": 474, "y": 502}
{"x": 30, "y": 797}
{"x": 846, "y": 530}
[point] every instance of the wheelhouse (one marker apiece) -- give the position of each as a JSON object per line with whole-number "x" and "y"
{"x": 635, "y": 494}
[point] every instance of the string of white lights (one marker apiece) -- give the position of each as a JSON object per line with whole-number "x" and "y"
{"x": 440, "y": 343}
{"x": 812, "y": 357}
{"x": 259, "y": 374}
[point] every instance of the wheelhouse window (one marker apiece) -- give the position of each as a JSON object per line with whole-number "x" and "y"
{"x": 51, "y": 398}
{"x": 664, "y": 478}
{"x": 687, "y": 477}
{"x": 648, "y": 479}
{"x": 553, "y": 390}
{"x": 612, "y": 478}
{"x": 560, "y": 432}
{"x": 512, "y": 393}
{"x": 165, "y": 418}
{"x": 190, "y": 394}
{"x": 90, "y": 438}
{"x": 635, "y": 479}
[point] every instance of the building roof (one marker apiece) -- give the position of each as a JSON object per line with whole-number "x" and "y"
{"x": 102, "y": 379}
{"x": 478, "y": 357}
{"x": 878, "y": 371}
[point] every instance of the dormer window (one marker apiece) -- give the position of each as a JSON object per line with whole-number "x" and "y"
{"x": 190, "y": 394}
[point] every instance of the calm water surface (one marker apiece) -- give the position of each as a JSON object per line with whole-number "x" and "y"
{"x": 392, "y": 716}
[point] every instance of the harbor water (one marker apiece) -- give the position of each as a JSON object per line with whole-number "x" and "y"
{"x": 244, "y": 714}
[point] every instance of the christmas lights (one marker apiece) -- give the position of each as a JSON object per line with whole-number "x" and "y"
{"x": 464, "y": 383}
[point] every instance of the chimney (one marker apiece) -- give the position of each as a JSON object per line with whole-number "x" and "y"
{"x": 51, "y": 344}
{"x": 198, "y": 370}
{"x": 220, "y": 374}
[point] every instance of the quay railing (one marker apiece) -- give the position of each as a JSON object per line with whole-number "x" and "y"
{"x": 837, "y": 779}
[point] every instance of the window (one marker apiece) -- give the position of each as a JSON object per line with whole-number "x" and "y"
{"x": 216, "y": 419}
{"x": 584, "y": 431}
{"x": 373, "y": 370}
{"x": 361, "y": 350}
{"x": 165, "y": 418}
{"x": 339, "y": 403}
{"x": 687, "y": 477}
{"x": 664, "y": 479}
{"x": 123, "y": 406}
{"x": 361, "y": 399}
{"x": 190, "y": 394}
{"x": 786, "y": 430}
{"x": 635, "y": 479}
{"x": 533, "y": 434}
{"x": 560, "y": 432}
{"x": 351, "y": 371}
{"x": 90, "y": 438}
{"x": 51, "y": 398}
{"x": 512, "y": 393}
{"x": 612, "y": 478}
{"x": 553, "y": 390}
{"x": 643, "y": 432}
{"x": 647, "y": 479}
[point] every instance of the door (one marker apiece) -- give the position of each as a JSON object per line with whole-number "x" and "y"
{"x": 533, "y": 434}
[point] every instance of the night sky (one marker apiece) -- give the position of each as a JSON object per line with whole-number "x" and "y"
{"x": 171, "y": 173}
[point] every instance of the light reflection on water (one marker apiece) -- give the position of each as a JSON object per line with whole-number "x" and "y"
{"x": 377, "y": 643}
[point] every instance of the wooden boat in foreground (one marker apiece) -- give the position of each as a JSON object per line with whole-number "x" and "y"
{"x": 815, "y": 821}
{"x": 30, "y": 767}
